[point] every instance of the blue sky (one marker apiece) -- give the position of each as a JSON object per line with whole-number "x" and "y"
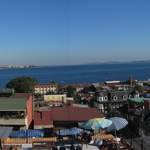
{"x": 63, "y": 32}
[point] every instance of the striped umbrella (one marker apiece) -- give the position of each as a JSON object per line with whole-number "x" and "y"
{"x": 97, "y": 123}
{"x": 117, "y": 124}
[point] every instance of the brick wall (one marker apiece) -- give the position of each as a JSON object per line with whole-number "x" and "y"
{"x": 30, "y": 110}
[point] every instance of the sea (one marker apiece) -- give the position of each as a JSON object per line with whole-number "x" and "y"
{"x": 92, "y": 73}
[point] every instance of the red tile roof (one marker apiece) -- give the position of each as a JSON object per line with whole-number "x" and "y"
{"x": 77, "y": 85}
{"x": 45, "y": 85}
{"x": 74, "y": 113}
{"x": 65, "y": 114}
{"x": 43, "y": 118}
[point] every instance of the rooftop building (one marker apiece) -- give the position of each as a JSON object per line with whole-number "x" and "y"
{"x": 16, "y": 112}
{"x": 64, "y": 116}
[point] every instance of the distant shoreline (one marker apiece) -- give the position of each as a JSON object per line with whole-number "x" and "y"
{"x": 79, "y": 73}
{"x": 86, "y": 64}
{"x": 18, "y": 66}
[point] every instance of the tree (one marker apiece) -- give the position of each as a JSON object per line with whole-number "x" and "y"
{"x": 22, "y": 84}
{"x": 138, "y": 88}
{"x": 37, "y": 95}
{"x": 89, "y": 89}
{"x": 113, "y": 113}
{"x": 71, "y": 91}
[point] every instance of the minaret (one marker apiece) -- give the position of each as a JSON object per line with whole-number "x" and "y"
{"x": 130, "y": 81}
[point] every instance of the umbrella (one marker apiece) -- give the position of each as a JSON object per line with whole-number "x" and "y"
{"x": 72, "y": 131}
{"x": 117, "y": 124}
{"x": 97, "y": 123}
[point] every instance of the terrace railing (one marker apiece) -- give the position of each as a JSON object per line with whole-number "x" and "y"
{"x": 10, "y": 121}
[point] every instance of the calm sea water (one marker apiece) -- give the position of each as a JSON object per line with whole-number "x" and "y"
{"x": 80, "y": 74}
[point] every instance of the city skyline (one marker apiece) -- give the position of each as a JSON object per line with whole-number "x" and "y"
{"x": 67, "y": 32}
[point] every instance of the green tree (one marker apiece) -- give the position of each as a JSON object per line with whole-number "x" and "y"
{"x": 89, "y": 89}
{"x": 138, "y": 88}
{"x": 113, "y": 113}
{"x": 71, "y": 91}
{"x": 22, "y": 84}
{"x": 37, "y": 95}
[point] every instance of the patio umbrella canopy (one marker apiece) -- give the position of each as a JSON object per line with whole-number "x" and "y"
{"x": 97, "y": 123}
{"x": 72, "y": 131}
{"x": 117, "y": 124}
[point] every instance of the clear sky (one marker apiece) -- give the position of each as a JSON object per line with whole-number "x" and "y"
{"x": 60, "y": 32}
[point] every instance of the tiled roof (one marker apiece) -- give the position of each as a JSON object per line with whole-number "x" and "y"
{"x": 67, "y": 114}
{"x": 45, "y": 85}
{"x": 78, "y": 85}
{"x": 74, "y": 113}
{"x": 43, "y": 118}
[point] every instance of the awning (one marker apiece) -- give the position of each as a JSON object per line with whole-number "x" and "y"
{"x": 5, "y": 132}
{"x": 71, "y": 131}
{"x": 42, "y": 126}
{"x": 137, "y": 100}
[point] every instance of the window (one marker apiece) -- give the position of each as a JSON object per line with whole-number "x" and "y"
{"x": 115, "y": 98}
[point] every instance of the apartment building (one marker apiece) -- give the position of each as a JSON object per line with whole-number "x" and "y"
{"x": 45, "y": 88}
{"x": 106, "y": 100}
